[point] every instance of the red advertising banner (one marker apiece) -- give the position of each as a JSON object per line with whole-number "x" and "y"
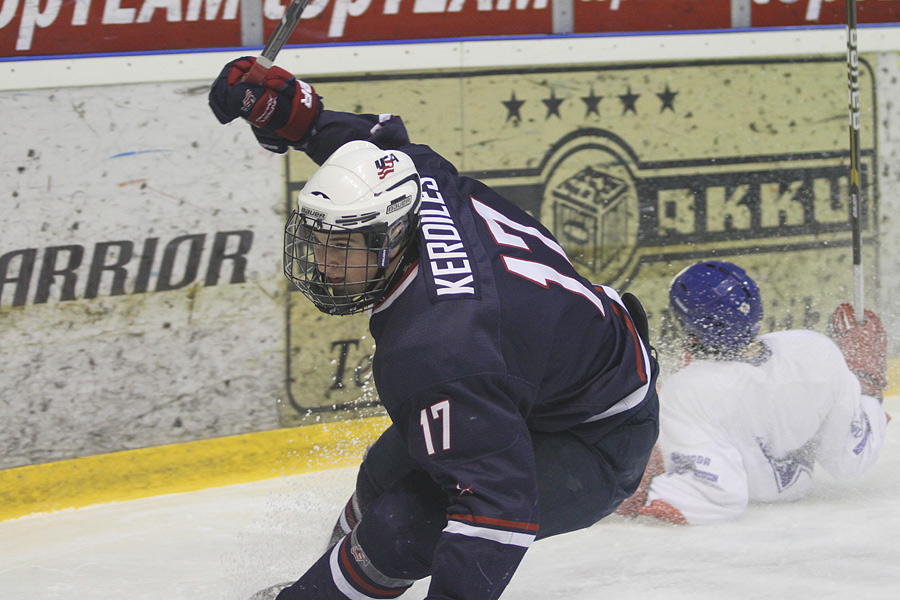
{"x": 54, "y": 27}
{"x": 37, "y": 27}
{"x": 373, "y": 20}
{"x": 592, "y": 16}
{"x": 779, "y": 13}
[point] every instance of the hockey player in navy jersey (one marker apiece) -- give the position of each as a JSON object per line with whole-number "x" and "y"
{"x": 748, "y": 417}
{"x": 522, "y": 397}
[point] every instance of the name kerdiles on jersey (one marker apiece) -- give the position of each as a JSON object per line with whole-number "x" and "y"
{"x": 448, "y": 261}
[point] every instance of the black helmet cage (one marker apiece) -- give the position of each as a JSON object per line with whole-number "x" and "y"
{"x": 302, "y": 268}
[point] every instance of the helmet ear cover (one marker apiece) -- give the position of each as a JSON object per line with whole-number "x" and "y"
{"x": 387, "y": 238}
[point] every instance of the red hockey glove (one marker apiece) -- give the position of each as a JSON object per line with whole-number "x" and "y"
{"x": 631, "y": 506}
{"x": 663, "y": 511}
{"x": 280, "y": 105}
{"x": 864, "y": 347}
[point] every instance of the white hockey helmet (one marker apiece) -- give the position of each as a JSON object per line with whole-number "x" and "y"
{"x": 360, "y": 189}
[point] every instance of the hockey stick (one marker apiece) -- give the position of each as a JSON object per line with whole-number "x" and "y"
{"x": 855, "y": 216}
{"x": 281, "y": 34}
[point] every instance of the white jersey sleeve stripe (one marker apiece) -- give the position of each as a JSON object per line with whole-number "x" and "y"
{"x": 626, "y": 403}
{"x": 510, "y": 538}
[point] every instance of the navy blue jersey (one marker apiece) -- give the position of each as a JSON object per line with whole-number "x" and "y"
{"x": 490, "y": 335}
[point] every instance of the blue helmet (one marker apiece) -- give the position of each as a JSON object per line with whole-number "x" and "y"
{"x": 718, "y": 303}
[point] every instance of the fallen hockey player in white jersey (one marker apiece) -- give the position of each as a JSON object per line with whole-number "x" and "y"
{"x": 748, "y": 418}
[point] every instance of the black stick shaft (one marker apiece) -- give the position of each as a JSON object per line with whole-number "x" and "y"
{"x": 285, "y": 28}
{"x": 277, "y": 41}
{"x": 855, "y": 206}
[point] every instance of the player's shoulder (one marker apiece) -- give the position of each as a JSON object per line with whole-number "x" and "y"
{"x": 430, "y": 163}
{"x": 713, "y": 368}
{"x": 422, "y": 339}
{"x": 799, "y": 342}
{"x": 717, "y": 378}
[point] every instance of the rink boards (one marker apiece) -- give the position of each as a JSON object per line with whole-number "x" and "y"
{"x": 143, "y": 316}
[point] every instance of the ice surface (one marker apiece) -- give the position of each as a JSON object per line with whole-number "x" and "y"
{"x": 225, "y": 543}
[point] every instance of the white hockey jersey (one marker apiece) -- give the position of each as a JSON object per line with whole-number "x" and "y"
{"x": 732, "y": 432}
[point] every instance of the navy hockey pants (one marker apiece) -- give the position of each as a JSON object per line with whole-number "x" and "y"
{"x": 577, "y": 485}
{"x": 404, "y": 510}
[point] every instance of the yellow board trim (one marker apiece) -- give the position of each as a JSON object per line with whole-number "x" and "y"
{"x": 201, "y": 464}
{"x": 184, "y": 467}
{"x": 893, "y": 375}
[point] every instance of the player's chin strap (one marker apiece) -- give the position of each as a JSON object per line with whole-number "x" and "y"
{"x": 381, "y": 280}
{"x": 408, "y": 256}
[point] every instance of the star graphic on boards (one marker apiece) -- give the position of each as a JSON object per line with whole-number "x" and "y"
{"x": 592, "y": 102}
{"x": 668, "y": 99}
{"x": 552, "y": 103}
{"x": 629, "y": 101}
{"x": 512, "y": 106}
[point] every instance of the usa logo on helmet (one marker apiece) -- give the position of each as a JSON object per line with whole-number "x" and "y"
{"x": 385, "y": 165}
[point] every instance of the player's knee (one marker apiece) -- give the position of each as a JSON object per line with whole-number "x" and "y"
{"x": 402, "y": 530}
{"x": 386, "y": 462}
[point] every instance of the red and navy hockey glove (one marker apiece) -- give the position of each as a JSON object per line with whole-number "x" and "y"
{"x": 864, "y": 347}
{"x": 658, "y": 509}
{"x": 280, "y": 107}
{"x": 663, "y": 511}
